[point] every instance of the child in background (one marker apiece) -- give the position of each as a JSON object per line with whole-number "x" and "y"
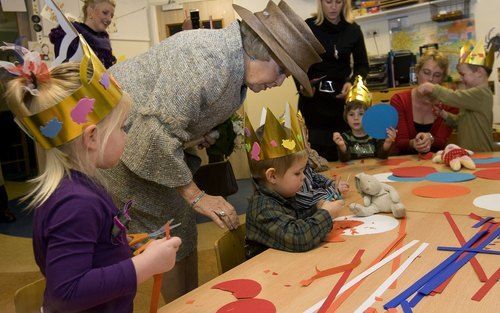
{"x": 475, "y": 120}
{"x": 355, "y": 143}
{"x": 277, "y": 161}
{"x": 79, "y": 235}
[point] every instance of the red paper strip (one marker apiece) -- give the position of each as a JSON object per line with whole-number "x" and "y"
{"x": 340, "y": 283}
{"x": 240, "y": 288}
{"x": 328, "y": 272}
{"x": 479, "y": 295}
{"x": 482, "y": 155}
{"x": 413, "y": 171}
{"x": 338, "y": 302}
{"x": 370, "y": 310}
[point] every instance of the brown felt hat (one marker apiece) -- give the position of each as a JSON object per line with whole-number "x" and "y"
{"x": 287, "y": 36}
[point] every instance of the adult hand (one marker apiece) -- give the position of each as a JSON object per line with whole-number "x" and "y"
{"x": 208, "y": 139}
{"x": 219, "y": 210}
{"x": 423, "y": 142}
{"x": 345, "y": 90}
{"x": 339, "y": 141}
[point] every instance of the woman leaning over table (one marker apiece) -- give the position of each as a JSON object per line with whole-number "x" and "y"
{"x": 342, "y": 38}
{"x": 182, "y": 88}
{"x": 97, "y": 16}
{"x": 420, "y": 130}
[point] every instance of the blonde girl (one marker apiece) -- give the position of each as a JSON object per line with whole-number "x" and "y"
{"x": 79, "y": 240}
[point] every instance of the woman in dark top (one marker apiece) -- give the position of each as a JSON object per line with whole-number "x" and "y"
{"x": 342, "y": 38}
{"x": 419, "y": 129}
{"x": 97, "y": 16}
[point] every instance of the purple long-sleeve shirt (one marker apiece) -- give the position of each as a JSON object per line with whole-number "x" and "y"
{"x": 85, "y": 269}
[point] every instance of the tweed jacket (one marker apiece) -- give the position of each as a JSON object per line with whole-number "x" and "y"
{"x": 181, "y": 88}
{"x": 275, "y": 222}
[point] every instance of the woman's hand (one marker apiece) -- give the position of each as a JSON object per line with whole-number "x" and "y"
{"x": 339, "y": 141}
{"x": 219, "y": 210}
{"x": 423, "y": 142}
{"x": 208, "y": 139}
{"x": 345, "y": 90}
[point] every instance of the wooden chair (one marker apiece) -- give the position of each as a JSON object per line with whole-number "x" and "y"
{"x": 29, "y": 299}
{"x": 230, "y": 249}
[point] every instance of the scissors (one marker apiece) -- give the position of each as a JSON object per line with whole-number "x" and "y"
{"x": 146, "y": 238}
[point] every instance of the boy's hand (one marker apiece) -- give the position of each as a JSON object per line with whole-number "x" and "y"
{"x": 391, "y": 137}
{"x": 333, "y": 207}
{"x": 339, "y": 141}
{"x": 343, "y": 186}
{"x": 425, "y": 88}
{"x": 438, "y": 111}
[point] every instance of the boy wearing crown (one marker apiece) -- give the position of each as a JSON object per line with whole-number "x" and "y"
{"x": 355, "y": 143}
{"x": 277, "y": 159}
{"x": 475, "y": 120}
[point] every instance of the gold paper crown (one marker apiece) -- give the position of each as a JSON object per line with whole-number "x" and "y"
{"x": 359, "y": 93}
{"x": 277, "y": 140}
{"x": 89, "y": 104}
{"x": 476, "y": 54}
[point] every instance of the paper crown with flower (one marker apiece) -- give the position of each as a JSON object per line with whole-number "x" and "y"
{"x": 89, "y": 104}
{"x": 359, "y": 93}
{"x": 277, "y": 139}
{"x": 477, "y": 54}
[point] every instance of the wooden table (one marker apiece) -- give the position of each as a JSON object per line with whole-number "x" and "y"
{"x": 425, "y": 222}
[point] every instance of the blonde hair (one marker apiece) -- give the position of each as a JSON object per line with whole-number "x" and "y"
{"x": 346, "y": 12}
{"x": 254, "y": 47}
{"x": 64, "y": 80}
{"x": 92, "y": 3}
{"x": 436, "y": 56}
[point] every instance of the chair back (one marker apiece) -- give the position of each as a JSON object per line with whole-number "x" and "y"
{"x": 230, "y": 249}
{"x": 29, "y": 299}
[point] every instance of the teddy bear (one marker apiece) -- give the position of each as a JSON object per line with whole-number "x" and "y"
{"x": 377, "y": 197}
{"x": 455, "y": 157}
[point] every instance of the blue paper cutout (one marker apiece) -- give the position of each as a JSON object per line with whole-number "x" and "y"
{"x": 52, "y": 128}
{"x": 445, "y": 177}
{"x": 405, "y": 179}
{"x": 378, "y": 119}
{"x": 486, "y": 161}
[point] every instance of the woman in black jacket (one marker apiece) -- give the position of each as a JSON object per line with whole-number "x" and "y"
{"x": 342, "y": 38}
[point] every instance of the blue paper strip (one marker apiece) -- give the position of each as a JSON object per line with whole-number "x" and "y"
{"x": 481, "y": 222}
{"x": 468, "y": 250}
{"x": 427, "y": 277}
{"x": 406, "y": 307}
{"x": 450, "y": 270}
{"x": 416, "y": 299}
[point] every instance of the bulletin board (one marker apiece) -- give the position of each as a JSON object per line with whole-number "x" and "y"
{"x": 450, "y": 36}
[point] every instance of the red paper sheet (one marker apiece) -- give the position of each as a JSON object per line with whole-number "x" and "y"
{"x": 492, "y": 173}
{"x": 440, "y": 191}
{"x": 248, "y": 306}
{"x": 413, "y": 171}
{"x": 426, "y": 156}
{"x": 395, "y": 161}
{"x": 240, "y": 288}
{"x": 338, "y": 228}
{"x": 488, "y": 165}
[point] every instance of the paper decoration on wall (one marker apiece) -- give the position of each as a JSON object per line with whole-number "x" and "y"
{"x": 374, "y": 224}
{"x": 413, "y": 171}
{"x": 489, "y": 202}
{"x": 440, "y": 191}
{"x": 245, "y": 291}
{"x": 394, "y": 161}
{"x": 493, "y": 174}
{"x": 378, "y": 118}
{"x": 445, "y": 177}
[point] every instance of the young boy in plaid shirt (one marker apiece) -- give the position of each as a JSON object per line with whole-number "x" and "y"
{"x": 273, "y": 219}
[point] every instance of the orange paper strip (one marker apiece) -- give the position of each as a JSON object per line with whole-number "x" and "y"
{"x": 397, "y": 261}
{"x": 330, "y": 271}
{"x": 487, "y": 286}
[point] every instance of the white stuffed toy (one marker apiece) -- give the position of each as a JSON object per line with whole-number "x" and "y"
{"x": 455, "y": 157}
{"x": 377, "y": 197}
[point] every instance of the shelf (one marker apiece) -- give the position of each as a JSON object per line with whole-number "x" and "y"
{"x": 396, "y": 11}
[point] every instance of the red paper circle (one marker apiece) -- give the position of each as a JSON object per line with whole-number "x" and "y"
{"x": 395, "y": 161}
{"x": 248, "y": 306}
{"x": 241, "y": 288}
{"x": 492, "y": 173}
{"x": 413, "y": 171}
{"x": 441, "y": 191}
{"x": 488, "y": 165}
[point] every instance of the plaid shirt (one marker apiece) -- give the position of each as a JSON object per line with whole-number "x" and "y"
{"x": 316, "y": 187}
{"x": 275, "y": 222}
